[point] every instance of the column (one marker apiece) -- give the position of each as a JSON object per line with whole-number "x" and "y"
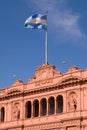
{"x": 47, "y": 108}
{"x": 22, "y": 109}
{"x": 55, "y": 107}
{"x": 32, "y": 110}
{"x": 39, "y": 108}
{"x": 5, "y": 113}
{"x": 64, "y": 102}
{"x": 40, "y": 113}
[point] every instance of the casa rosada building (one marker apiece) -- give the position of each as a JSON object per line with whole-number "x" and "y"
{"x": 49, "y": 101}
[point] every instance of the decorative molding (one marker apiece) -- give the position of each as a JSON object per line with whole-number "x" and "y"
{"x": 45, "y": 89}
{"x": 46, "y": 81}
{"x": 49, "y": 126}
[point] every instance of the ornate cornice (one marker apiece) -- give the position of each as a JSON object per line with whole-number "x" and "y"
{"x": 71, "y": 82}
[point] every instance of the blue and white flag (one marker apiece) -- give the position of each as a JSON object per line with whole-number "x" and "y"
{"x": 36, "y": 21}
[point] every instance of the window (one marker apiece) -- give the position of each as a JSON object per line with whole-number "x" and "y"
{"x": 36, "y": 108}
{"x": 59, "y": 104}
{"x": 43, "y": 107}
{"x": 2, "y": 114}
{"x": 28, "y": 109}
{"x": 51, "y": 105}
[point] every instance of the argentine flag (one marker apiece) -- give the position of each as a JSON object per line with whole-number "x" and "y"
{"x": 36, "y": 21}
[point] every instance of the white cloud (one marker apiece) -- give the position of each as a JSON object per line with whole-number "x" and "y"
{"x": 61, "y": 18}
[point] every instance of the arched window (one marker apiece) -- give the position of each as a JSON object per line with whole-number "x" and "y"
{"x": 60, "y": 104}
{"x": 28, "y": 109}
{"x": 36, "y": 108}
{"x": 51, "y": 107}
{"x": 2, "y": 114}
{"x": 43, "y": 107}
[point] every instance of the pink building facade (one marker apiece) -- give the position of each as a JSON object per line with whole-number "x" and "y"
{"x": 49, "y": 101}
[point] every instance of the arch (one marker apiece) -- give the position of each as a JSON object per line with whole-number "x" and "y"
{"x": 51, "y": 105}
{"x": 43, "y": 107}
{"x": 28, "y": 108}
{"x": 2, "y": 114}
{"x": 36, "y": 108}
{"x": 59, "y": 102}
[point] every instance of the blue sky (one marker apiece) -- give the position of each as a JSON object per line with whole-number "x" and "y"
{"x": 22, "y": 50}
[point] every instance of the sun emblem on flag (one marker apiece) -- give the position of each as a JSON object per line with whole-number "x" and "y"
{"x": 37, "y": 20}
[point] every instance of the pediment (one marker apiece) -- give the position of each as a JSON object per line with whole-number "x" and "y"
{"x": 8, "y": 92}
{"x": 44, "y": 66}
{"x": 17, "y": 83}
{"x": 14, "y": 91}
{"x": 70, "y": 80}
{"x": 45, "y": 71}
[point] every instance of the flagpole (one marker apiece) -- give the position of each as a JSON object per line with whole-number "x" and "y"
{"x": 46, "y": 45}
{"x": 46, "y": 48}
